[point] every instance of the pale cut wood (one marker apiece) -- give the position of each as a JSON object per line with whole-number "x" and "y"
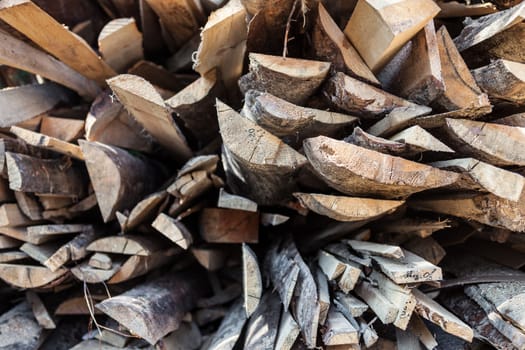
{"x": 350, "y": 276}
{"x": 219, "y": 225}
{"x": 351, "y": 304}
{"x": 339, "y": 330}
{"x": 44, "y": 176}
{"x": 288, "y": 332}
{"x": 87, "y": 274}
{"x": 19, "y": 328}
{"x": 417, "y": 327}
{"x": 502, "y": 79}
{"x": 28, "y": 205}
{"x": 332, "y": 267}
{"x": 409, "y": 269}
{"x": 40, "y": 311}
{"x": 48, "y": 142}
{"x": 141, "y": 99}
{"x": 230, "y": 328}
{"x": 120, "y": 180}
{"x": 324, "y": 295}
{"x": 354, "y": 170}
{"x": 231, "y": 201}
{"x": 94, "y": 344}
{"x": 261, "y": 331}
{"x": 11, "y": 216}
{"x": 120, "y": 44}
{"x": 432, "y": 311}
{"x": 29, "y": 276}
{"x": 64, "y": 129}
{"x": 138, "y": 265}
{"x": 292, "y": 79}
{"x": 494, "y": 143}
{"x": 418, "y": 137}
{"x": 173, "y": 229}
{"x": 478, "y": 175}
{"x": 29, "y": 19}
{"x": 398, "y": 119}
{"x": 252, "y": 280}
{"x": 126, "y": 244}
{"x": 73, "y": 250}
{"x": 330, "y": 44}
{"x": 143, "y": 210}
{"x": 16, "y": 53}
{"x": 223, "y": 43}
{"x": 259, "y": 164}
{"x": 376, "y": 249}
{"x": 10, "y": 256}
{"x": 156, "y": 308}
{"x": 347, "y": 208}
{"x": 458, "y": 9}
{"x": 100, "y": 261}
{"x": 382, "y": 307}
{"x": 388, "y": 25}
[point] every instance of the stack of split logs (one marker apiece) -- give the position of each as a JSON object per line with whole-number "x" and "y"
{"x": 262, "y": 174}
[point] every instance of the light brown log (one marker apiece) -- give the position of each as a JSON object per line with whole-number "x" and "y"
{"x": 53, "y": 202}
{"x": 28, "y": 205}
{"x": 119, "y": 179}
{"x": 126, "y": 244}
{"x": 377, "y": 249}
{"x": 29, "y": 276}
{"x": 339, "y": 330}
{"x": 144, "y": 210}
{"x": 252, "y": 280}
{"x": 330, "y": 44}
{"x": 292, "y": 79}
{"x": 11, "y": 216}
{"x": 354, "y": 170}
{"x": 229, "y": 226}
{"x": 40, "y": 311}
{"x": 120, "y": 44}
{"x": 173, "y": 229}
{"x": 266, "y": 164}
{"x": 65, "y": 129}
{"x": 230, "y": 328}
{"x": 502, "y": 79}
{"x": 44, "y": 141}
{"x": 138, "y": 265}
{"x": 418, "y": 137}
{"x": 19, "y": 329}
{"x": 41, "y": 252}
{"x": 409, "y": 269}
{"x": 44, "y": 176}
{"x": 398, "y": 119}
{"x": 379, "y": 29}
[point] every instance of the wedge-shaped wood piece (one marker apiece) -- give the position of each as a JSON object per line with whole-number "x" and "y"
{"x": 173, "y": 229}
{"x": 330, "y": 44}
{"x": 29, "y": 276}
{"x": 126, "y": 244}
{"x": 120, "y": 44}
{"x": 435, "y": 313}
{"x": 332, "y": 267}
{"x": 355, "y": 170}
{"x": 339, "y": 331}
{"x": 230, "y": 328}
{"x": 354, "y": 96}
{"x": 350, "y": 276}
{"x": 76, "y": 305}
{"x": 18, "y": 54}
{"x": 44, "y": 141}
{"x": 478, "y": 175}
{"x": 156, "y": 308}
{"x": 415, "y": 71}
{"x": 45, "y": 176}
{"x": 65, "y": 129}
{"x": 139, "y": 265}
{"x": 259, "y": 164}
{"x": 347, "y": 208}
{"x": 494, "y": 143}
{"x": 40, "y": 312}
{"x": 7, "y": 242}
{"x": 12, "y": 216}
{"x": 261, "y": 332}
{"x": 29, "y": 19}
{"x": 350, "y": 303}
{"x": 211, "y": 258}
{"x": 219, "y": 225}
{"x": 388, "y": 25}
{"x": 376, "y": 249}
{"x": 452, "y": 9}
{"x": 380, "y": 305}
{"x": 10, "y": 256}
{"x": 292, "y": 79}
{"x": 409, "y": 269}
{"x": 143, "y": 210}
{"x": 41, "y": 252}
{"x": 419, "y": 138}
{"x": 19, "y": 329}
{"x": 398, "y": 119}
{"x": 141, "y": 99}
{"x": 288, "y": 332}
{"x": 120, "y": 180}
{"x": 207, "y": 163}
{"x": 252, "y": 280}
{"x": 420, "y": 330}
{"x": 72, "y": 250}
{"x": 231, "y": 201}
{"x": 20, "y": 234}
{"x": 87, "y": 274}
{"x": 363, "y": 139}
{"x": 502, "y": 79}
{"x": 188, "y": 188}
{"x": 28, "y": 205}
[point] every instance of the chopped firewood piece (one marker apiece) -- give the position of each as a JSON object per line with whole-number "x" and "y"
{"x": 332, "y": 267}
{"x": 40, "y": 252}
{"x": 10, "y": 256}
{"x": 51, "y": 143}
{"x": 230, "y": 328}
{"x": 120, "y": 44}
{"x": 8, "y": 242}
{"x": 376, "y": 249}
{"x": 398, "y": 119}
{"x": 100, "y": 261}
{"x": 40, "y": 311}
{"x": 72, "y": 250}
{"x": 419, "y": 138}
{"x": 257, "y": 162}
{"x": 29, "y": 19}
{"x": 18, "y": 54}
{"x": 379, "y": 29}
{"x": 427, "y": 248}
{"x": 143, "y": 210}
{"x": 74, "y": 210}
{"x": 283, "y": 271}
{"x": 409, "y": 269}
{"x": 126, "y": 244}
{"x": 460, "y": 9}
{"x": 187, "y": 188}
{"x": 382, "y": 307}
{"x": 162, "y": 80}
{"x": 261, "y": 332}
{"x": 64, "y": 129}
{"x": 231, "y": 201}
{"x": 207, "y": 163}
{"x": 415, "y": 71}
{"x": 375, "y": 143}
{"x": 138, "y": 265}
{"x": 175, "y": 230}
{"x": 417, "y": 327}
{"x": 28, "y": 205}
{"x": 211, "y": 258}
{"x": 120, "y": 179}
{"x": 351, "y": 304}
{"x": 292, "y": 79}
{"x": 350, "y": 276}
{"x": 44, "y": 176}
{"x": 435, "y": 313}
{"x": 141, "y": 99}
{"x": 252, "y": 280}
{"x": 270, "y": 219}
{"x": 77, "y": 305}
{"x": 19, "y": 328}
{"x": 369, "y": 335}
{"x": 342, "y": 251}
{"x": 155, "y": 308}
{"x": 347, "y": 208}
{"x": 29, "y": 276}
{"x": 407, "y": 340}
{"x": 288, "y": 332}
{"x": 330, "y": 44}
{"x": 502, "y": 79}
{"x": 324, "y": 295}
{"x": 10, "y": 215}
{"x": 290, "y": 122}
{"x": 339, "y": 330}
{"x": 353, "y": 170}
{"x": 85, "y": 273}
{"x": 109, "y": 337}
{"x": 57, "y": 229}
{"x": 219, "y": 225}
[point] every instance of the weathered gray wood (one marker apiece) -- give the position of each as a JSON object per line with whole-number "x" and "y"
{"x": 407, "y": 340}
{"x": 100, "y": 261}
{"x": 418, "y": 138}
{"x": 88, "y": 274}
{"x": 261, "y": 332}
{"x": 230, "y": 328}
{"x": 409, "y": 269}
{"x": 126, "y": 244}
{"x": 427, "y": 248}
{"x": 288, "y": 332}
{"x": 252, "y": 280}
{"x": 19, "y": 329}
{"x": 398, "y": 119}
{"x": 378, "y": 249}
{"x": 231, "y": 201}
{"x": 40, "y": 311}
{"x": 502, "y": 79}
{"x": 324, "y": 295}
{"x": 217, "y": 225}
{"x": 28, "y": 204}
{"x": 350, "y": 303}
{"x": 339, "y": 331}
{"x": 382, "y": 307}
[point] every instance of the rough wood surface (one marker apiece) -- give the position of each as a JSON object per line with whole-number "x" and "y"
{"x": 175, "y": 230}
{"x": 252, "y": 280}
{"x": 419, "y": 138}
{"x": 143, "y": 210}
{"x": 48, "y": 142}
{"x": 126, "y": 244}
{"x": 261, "y": 331}
{"x": 502, "y": 79}
{"x": 230, "y": 328}
{"x": 29, "y": 276}
{"x": 229, "y": 226}
{"x": 100, "y": 261}
{"x": 42, "y": 316}
{"x": 28, "y": 204}
{"x": 138, "y": 265}
{"x": 350, "y": 303}
{"x": 64, "y": 129}
{"x": 231, "y": 201}
{"x": 377, "y": 249}
{"x": 288, "y": 332}
{"x": 398, "y": 119}
{"x": 382, "y": 307}
{"x": 120, "y": 44}
{"x": 339, "y": 330}
{"x": 19, "y": 329}
{"x": 409, "y": 269}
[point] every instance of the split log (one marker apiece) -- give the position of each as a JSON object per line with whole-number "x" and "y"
{"x": 19, "y": 329}
{"x": 288, "y": 332}
{"x": 350, "y": 276}
{"x": 502, "y": 79}
{"x": 252, "y": 280}
{"x": 187, "y": 188}
{"x": 173, "y": 229}
{"x": 261, "y": 331}
{"x": 330, "y": 44}
{"x": 231, "y": 201}
{"x": 11, "y": 216}
{"x": 45, "y": 176}
{"x": 141, "y": 99}
{"x": 376, "y": 249}
{"x": 156, "y": 308}
{"x": 64, "y": 129}
{"x": 138, "y": 265}
{"x": 57, "y": 229}
{"x": 69, "y": 212}
{"x": 73, "y": 250}
{"x": 375, "y": 143}
{"x": 39, "y": 310}
{"x": 41, "y": 252}
{"x": 398, "y": 119}
{"x": 420, "y": 330}
{"x": 292, "y": 79}
{"x": 230, "y": 328}
{"x": 29, "y": 19}
{"x": 28, "y": 205}
{"x": 409, "y": 269}
{"x": 100, "y": 261}
{"x": 87, "y": 274}
{"x": 142, "y": 211}
{"x": 266, "y": 164}
{"x": 29, "y": 276}
{"x": 20, "y": 234}
{"x": 218, "y": 225}
{"x": 339, "y": 331}
{"x": 393, "y": 24}
{"x": 40, "y": 140}
{"x": 347, "y": 208}
{"x": 380, "y": 305}
{"x": 120, "y": 44}
{"x": 120, "y": 179}
{"x": 342, "y": 251}
{"x": 419, "y": 138}
{"x": 350, "y": 169}
{"x": 126, "y": 244}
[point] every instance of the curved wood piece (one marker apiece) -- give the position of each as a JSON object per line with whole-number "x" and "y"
{"x": 40, "y": 140}
{"x": 29, "y": 276}
{"x": 503, "y": 80}
{"x": 173, "y": 229}
{"x": 126, "y": 244}
{"x": 252, "y": 280}
{"x": 355, "y": 170}
{"x": 398, "y": 119}
{"x": 137, "y": 265}
{"x": 419, "y": 138}
{"x": 230, "y": 328}
{"x": 144, "y": 210}
{"x": 347, "y": 208}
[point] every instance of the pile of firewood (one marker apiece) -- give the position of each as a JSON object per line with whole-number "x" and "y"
{"x": 262, "y": 174}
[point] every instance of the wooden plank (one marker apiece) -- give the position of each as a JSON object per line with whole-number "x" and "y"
{"x": 409, "y": 269}
{"x": 73, "y": 250}
{"x": 100, "y": 261}
{"x": 127, "y": 245}
{"x": 382, "y": 307}
{"x": 40, "y": 311}
{"x": 120, "y": 44}
{"x": 398, "y": 119}
{"x": 10, "y": 256}
{"x": 144, "y": 210}
{"x": 29, "y": 19}
{"x": 57, "y": 229}
{"x": 217, "y": 225}
{"x": 28, "y": 205}
{"x": 48, "y": 142}
{"x": 261, "y": 331}
{"x": 324, "y": 295}
{"x": 165, "y": 83}
{"x": 503, "y": 80}
{"x": 29, "y": 276}
{"x": 376, "y": 249}
{"x": 10, "y": 215}
{"x": 350, "y": 276}
{"x": 19, "y": 234}
{"x": 339, "y": 330}
{"x": 65, "y": 129}
{"x": 350, "y": 304}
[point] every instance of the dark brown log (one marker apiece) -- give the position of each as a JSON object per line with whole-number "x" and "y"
{"x": 138, "y": 265}
{"x": 229, "y": 226}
